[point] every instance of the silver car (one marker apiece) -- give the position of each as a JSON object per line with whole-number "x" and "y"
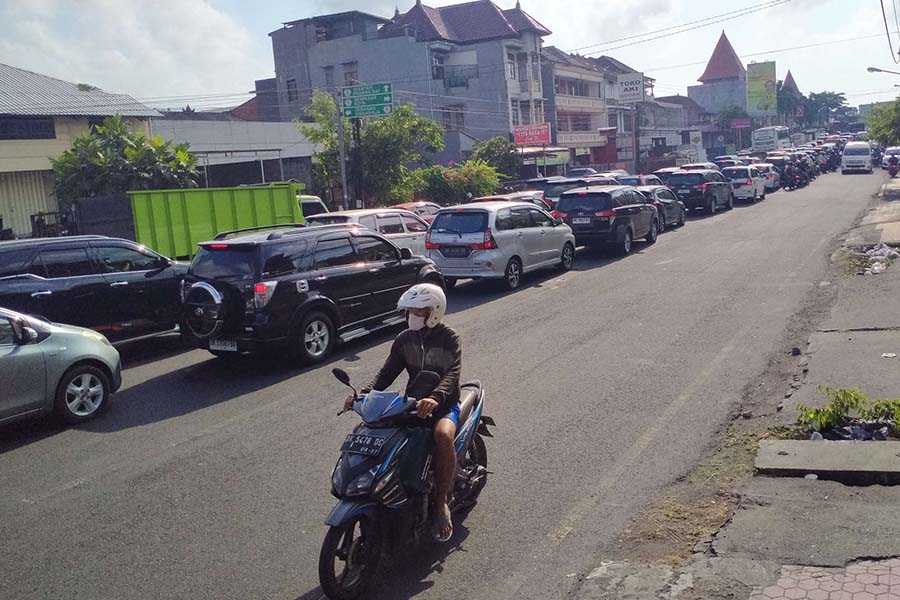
{"x": 52, "y": 368}
{"x": 498, "y": 240}
{"x": 402, "y": 227}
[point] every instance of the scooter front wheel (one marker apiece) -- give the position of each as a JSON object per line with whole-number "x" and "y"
{"x": 350, "y": 558}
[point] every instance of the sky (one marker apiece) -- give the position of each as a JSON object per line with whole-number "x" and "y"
{"x": 208, "y": 52}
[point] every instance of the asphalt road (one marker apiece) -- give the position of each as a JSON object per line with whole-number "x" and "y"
{"x": 211, "y": 481}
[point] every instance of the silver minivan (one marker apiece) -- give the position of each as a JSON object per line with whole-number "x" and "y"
{"x": 402, "y": 227}
{"x": 498, "y": 240}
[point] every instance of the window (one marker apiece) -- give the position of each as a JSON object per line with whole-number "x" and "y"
{"x": 612, "y": 120}
{"x": 389, "y": 224}
{"x": 460, "y": 222}
{"x": 293, "y": 93}
{"x": 414, "y": 225}
{"x": 511, "y": 71}
{"x": 519, "y": 218}
{"x": 538, "y": 111}
{"x": 229, "y": 262}
{"x": 116, "y": 259}
{"x": 514, "y": 112}
{"x": 328, "y": 72}
{"x": 580, "y": 121}
{"x": 372, "y": 249}
{"x": 283, "y": 259}
{"x": 525, "y": 112}
{"x": 7, "y": 333}
{"x": 540, "y": 219}
{"x": 368, "y": 222}
{"x": 685, "y": 137}
{"x": 70, "y": 262}
{"x": 453, "y": 117}
{"x": 666, "y": 195}
{"x": 334, "y": 252}
{"x": 351, "y": 73}
{"x": 437, "y": 66}
{"x": 27, "y": 128}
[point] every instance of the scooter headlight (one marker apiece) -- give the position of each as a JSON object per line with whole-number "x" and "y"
{"x": 361, "y": 484}
{"x": 337, "y": 482}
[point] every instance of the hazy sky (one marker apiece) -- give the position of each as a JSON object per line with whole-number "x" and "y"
{"x": 173, "y": 52}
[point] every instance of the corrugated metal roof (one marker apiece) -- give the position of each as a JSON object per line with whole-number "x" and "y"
{"x": 31, "y": 94}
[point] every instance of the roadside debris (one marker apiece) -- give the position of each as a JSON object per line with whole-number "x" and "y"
{"x": 876, "y": 259}
{"x": 889, "y": 355}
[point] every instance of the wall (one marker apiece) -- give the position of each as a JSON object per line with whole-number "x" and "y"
{"x": 716, "y": 97}
{"x": 23, "y": 194}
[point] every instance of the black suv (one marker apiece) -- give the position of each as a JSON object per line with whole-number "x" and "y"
{"x": 705, "y": 189}
{"x": 297, "y": 287}
{"x": 611, "y": 215}
{"x": 114, "y": 286}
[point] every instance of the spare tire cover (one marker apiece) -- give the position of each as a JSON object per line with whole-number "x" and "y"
{"x": 204, "y": 310}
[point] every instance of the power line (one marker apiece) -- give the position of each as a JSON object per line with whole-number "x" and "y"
{"x": 888, "y": 32}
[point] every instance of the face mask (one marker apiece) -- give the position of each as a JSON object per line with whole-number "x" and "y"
{"x": 415, "y": 322}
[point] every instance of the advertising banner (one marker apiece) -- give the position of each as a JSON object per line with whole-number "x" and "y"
{"x": 532, "y": 135}
{"x": 631, "y": 87}
{"x": 762, "y": 99}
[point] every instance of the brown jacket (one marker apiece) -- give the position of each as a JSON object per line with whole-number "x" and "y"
{"x": 430, "y": 349}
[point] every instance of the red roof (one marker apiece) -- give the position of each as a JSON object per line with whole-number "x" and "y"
{"x": 789, "y": 84}
{"x": 248, "y": 111}
{"x": 723, "y": 64}
{"x": 467, "y": 22}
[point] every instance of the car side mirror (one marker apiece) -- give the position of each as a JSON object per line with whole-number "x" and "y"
{"x": 405, "y": 253}
{"x": 29, "y": 335}
{"x": 557, "y": 222}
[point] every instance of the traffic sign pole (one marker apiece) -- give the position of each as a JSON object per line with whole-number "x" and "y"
{"x": 342, "y": 155}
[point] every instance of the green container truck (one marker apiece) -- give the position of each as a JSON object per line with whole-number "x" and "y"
{"x": 173, "y": 222}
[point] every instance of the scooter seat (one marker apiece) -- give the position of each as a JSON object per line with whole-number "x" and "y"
{"x": 468, "y": 396}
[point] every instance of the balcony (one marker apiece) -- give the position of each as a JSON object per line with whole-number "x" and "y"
{"x": 580, "y": 103}
{"x": 528, "y": 87}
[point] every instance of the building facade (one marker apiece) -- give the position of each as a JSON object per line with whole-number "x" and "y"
{"x": 39, "y": 118}
{"x": 474, "y": 68}
{"x": 723, "y": 84}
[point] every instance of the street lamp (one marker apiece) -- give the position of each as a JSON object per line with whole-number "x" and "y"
{"x": 877, "y": 70}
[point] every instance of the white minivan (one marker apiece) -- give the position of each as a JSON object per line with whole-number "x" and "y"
{"x": 857, "y": 157}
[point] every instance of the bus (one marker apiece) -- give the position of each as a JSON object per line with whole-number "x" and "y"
{"x": 766, "y": 139}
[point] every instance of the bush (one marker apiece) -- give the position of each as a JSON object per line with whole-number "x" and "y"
{"x": 845, "y": 405}
{"x": 452, "y": 185}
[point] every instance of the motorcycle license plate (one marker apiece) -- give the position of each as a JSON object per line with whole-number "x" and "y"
{"x": 223, "y": 345}
{"x": 367, "y": 445}
{"x": 581, "y": 220}
{"x": 684, "y": 191}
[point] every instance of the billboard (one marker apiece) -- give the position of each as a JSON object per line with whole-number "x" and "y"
{"x": 631, "y": 87}
{"x": 762, "y": 99}
{"x": 532, "y": 135}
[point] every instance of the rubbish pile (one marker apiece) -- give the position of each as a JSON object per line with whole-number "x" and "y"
{"x": 860, "y": 431}
{"x": 877, "y": 259}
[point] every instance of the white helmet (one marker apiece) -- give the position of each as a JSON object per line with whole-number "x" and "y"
{"x": 425, "y": 295}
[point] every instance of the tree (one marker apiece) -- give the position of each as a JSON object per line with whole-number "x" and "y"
{"x": 884, "y": 124}
{"x": 501, "y": 154}
{"x": 821, "y": 106}
{"x": 452, "y": 185}
{"x": 387, "y": 148}
{"x": 112, "y": 158}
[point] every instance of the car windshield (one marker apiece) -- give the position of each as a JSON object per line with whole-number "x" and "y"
{"x": 736, "y": 173}
{"x": 857, "y": 151}
{"x": 327, "y": 220}
{"x": 556, "y": 190}
{"x": 470, "y": 221}
{"x": 685, "y": 178}
{"x": 630, "y": 180}
{"x": 213, "y": 262}
{"x": 584, "y": 201}
{"x": 893, "y": 150}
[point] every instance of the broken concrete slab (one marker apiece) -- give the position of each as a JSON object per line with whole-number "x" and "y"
{"x": 829, "y": 459}
{"x": 808, "y": 522}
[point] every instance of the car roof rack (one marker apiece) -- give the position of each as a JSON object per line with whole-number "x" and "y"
{"x": 226, "y": 234}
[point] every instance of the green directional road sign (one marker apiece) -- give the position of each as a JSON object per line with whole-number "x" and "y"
{"x": 367, "y": 100}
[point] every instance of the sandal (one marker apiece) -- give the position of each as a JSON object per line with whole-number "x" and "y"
{"x": 442, "y": 521}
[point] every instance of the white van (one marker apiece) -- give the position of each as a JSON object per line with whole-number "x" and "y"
{"x": 857, "y": 157}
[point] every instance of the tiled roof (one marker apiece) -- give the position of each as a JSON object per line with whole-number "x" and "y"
{"x": 462, "y": 23}
{"x": 789, "y": 84}
{"x": 724, "y": 62}
{"x": 556, "y": 55}
{"x": 682, "y": 101}
{"x": 30, "y": 94}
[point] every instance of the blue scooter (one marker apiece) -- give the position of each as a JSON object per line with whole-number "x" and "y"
{"x": 384, "y": 480}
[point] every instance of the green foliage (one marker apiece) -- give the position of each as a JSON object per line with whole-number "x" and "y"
{"x": 388, "y": 147}
{"x": 501, "y": 154}
{"x": 452, "y": 185}
{"x": 843, "y": 406}
{"x": 790, "y": 102}
{"x": 820, "y": 107}
{"x": 112, "y": 159}
{"x": 884, "y": 124}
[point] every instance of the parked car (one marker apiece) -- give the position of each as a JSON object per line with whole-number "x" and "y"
{"x": 533, "y": 196}
{"x": 703, "y": 189}
{"x": 401, "y": 227}
{"x": 857, "y": 156}
{"x": 725, "y": 157}
{"x": 299, "y": 288}
{"x": 312, "y": 205}
{"x": 581, "y": 172}
{"x": 498, "y": 240}
{"x": 639, "y": 180}
{"x": 747, "y": 183}
{"x": 664, "y": 173}
{"x": 704, "y": 166}
{"x": 114, "y": 286}
{"x": 721, "y": 164}
{"x": 612, "y": 216}
{"x": 888, "y": 153}
{"x": 53, "y": 368}
{"x": 553, "y": 189}
{"x": 768, "y": 170}
{"x": 422, "y": 209}
{"x": 670, "y": 209}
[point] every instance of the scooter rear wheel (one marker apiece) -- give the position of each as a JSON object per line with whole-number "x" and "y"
{"x": 350, "y": 558}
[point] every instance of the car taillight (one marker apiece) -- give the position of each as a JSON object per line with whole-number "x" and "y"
{"x": 218, "y": 246}
{"x": 429, "y": 245}
{"x": 488, "y": 244}
{"x": 559, "y": 215}
{"x": 262, "y": 293}
{"x": 609, "y": 214}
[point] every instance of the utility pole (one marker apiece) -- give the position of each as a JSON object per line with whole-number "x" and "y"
{"x": 342, "y": 152}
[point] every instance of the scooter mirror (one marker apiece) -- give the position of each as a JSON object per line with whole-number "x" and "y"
{"x": 342, "y": 376}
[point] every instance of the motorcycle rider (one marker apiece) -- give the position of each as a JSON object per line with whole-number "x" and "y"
{"x": 429, "y": 345}
{"x": 893, "y": 164}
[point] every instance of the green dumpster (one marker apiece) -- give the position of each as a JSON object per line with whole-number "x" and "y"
{"x": 173, "y": 222}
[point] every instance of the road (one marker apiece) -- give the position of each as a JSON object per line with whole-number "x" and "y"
{"x": 212, "y": 481}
